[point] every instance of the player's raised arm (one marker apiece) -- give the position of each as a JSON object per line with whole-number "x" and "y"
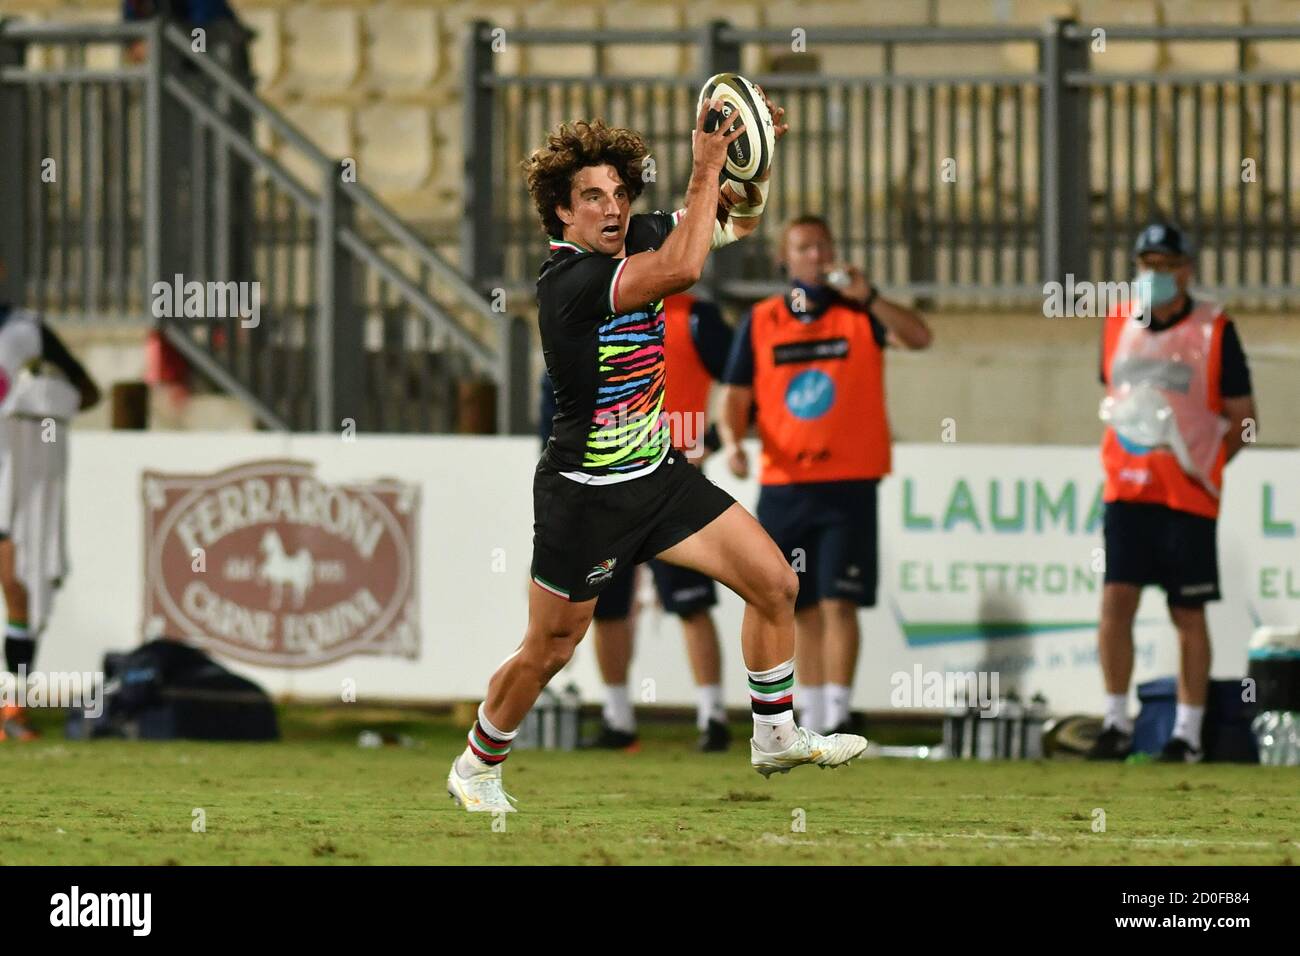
{"x": 677, "y": 264}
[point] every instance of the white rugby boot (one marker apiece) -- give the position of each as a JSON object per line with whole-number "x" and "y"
{"x": 814, "y": 749}
{"x": 480, "y": 792}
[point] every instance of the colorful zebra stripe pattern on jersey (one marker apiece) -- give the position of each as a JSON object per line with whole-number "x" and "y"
{"x": 771, "y": 692}
{"x": 491, "y": 750}
{"x": 628, "y": 427}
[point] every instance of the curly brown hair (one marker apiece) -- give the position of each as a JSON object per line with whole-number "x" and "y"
{"x": 549, "y": 170}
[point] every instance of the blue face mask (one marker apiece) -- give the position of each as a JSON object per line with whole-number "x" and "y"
{"x": 1158, "y": 288}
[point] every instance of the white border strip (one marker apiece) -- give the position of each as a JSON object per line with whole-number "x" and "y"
{"x": 613, "y": 285}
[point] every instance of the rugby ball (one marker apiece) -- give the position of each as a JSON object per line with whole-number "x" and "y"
{"x": 750, "y": 154}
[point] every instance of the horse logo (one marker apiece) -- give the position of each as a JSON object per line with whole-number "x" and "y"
{"x": 280, "y": 569}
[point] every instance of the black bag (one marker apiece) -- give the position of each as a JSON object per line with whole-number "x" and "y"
{"x": 164, "y": 690}
{"x": 1226, "y": 736}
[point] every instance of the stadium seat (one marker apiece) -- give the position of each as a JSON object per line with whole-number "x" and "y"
{"x": 267, "y": 52}
{"x": 104, "y": 56}
{"x": 577, "y": 59}
{"x": 660, "y": 59}
{"x": 753, "y": 56}
{"x": 403, "y": 50}
{"x": 1275, "y": 54}
{"x": 840, "y": 59}
{"x": 36, "y": 9}
{"x": 1026, "y": 13}
{"x": 1190, "y": 56}
{"x": 324, "y": 49}
{"x": 396, "y": 146}
{"x": 453, "y": 23}
{"x": 1023, "y": 13}
{"x": 95, "y": 56}
{"x": 924, "y": 59}
{"x": 1122, "y": 56}
{"x": 37, "y": 56}
{"x": 329, "y": 127}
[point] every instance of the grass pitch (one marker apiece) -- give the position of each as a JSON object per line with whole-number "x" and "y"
{"x": 316, "y": 797}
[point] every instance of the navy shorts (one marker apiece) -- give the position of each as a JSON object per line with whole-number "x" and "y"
{"x": 681, "y": 591}
{"x": 1153, "y": 544}
{"x": 828, "y": 532}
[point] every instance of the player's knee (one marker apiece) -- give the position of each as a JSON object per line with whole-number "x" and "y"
{"x": 558, "y": 655}
{"x": 1117, "y": 609}
{"x": 840, "y": 609}
{"x": 779, "y": 589}
{"x": 1189, "y": 622}
{"x": 789, "y": 584}
{"x": 551, "y": 649}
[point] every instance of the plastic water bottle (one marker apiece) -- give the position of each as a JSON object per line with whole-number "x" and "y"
{"x": 1263, "y": 726}
{"x": 570, "y": 712}
{"x": 986, "y": 732}
{"x": 1277, "y": 732}
{"x": 1011, "y": 718}
{"x": 548, "y": 710}
{"x": 1290, "y": 733}
{"x": 1035, "y": 719}
{"x": 530, "y": 732}
{"x": 954, "y": 722}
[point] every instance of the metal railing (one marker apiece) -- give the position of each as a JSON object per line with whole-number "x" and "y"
{"x": 963, "y": 188}
{"x": 1218, "y": 152}
{"x": 133, "y": 175}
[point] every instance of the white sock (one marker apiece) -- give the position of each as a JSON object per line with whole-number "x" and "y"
{"x": 775, "y": 733}
{"x": 1117, "y": 713}
{"x": 617, "y": 709}
{"x": 837, "y": 705}
{"x": 1187, "y": 723}
{"x": 771, "y": 691}
{"x": 708, "y": 705}
{"x": 468, "y": 762}
{"x": 811, "y": 701}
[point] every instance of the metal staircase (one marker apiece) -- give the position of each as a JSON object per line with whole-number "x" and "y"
{"x": 130, "y": 181}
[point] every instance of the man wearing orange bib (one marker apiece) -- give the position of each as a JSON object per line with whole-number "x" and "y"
{"x": 812, "y": 361}
{"x": 1178, "y": 404}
